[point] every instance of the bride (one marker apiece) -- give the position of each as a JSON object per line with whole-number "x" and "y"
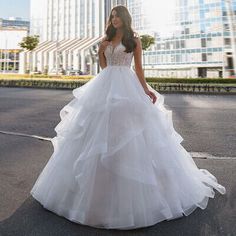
{"x": 118, "y": 162}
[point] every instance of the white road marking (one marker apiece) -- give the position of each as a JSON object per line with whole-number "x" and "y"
{"x": 26, "y": 135}
{"x": 198, "y": 155}
{"x": 205, "y": 155}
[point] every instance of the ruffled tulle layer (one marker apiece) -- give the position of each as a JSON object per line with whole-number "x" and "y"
{"x": 118, "y": 161}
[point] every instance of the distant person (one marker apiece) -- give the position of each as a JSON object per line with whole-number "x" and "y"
{"x": 118, "y": 162}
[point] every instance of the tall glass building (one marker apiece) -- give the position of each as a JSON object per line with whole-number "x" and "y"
{"x": 69, "y": 33}
{"x": 194, "y": 38}
{"x": 109, "y": 4}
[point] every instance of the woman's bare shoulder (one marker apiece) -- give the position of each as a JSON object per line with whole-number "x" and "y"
{"x": 136, "y": 36}
{"x": 137, "y": 40}
{"x": 104, "y": 38}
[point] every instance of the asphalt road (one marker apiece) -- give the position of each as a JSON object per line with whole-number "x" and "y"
{"x": 207, "y": 123}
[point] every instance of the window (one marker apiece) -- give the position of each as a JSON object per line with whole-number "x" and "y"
{"x": 203, "y": 42}
{"x": 227, "y": 41}
{"x": 204, "y": 57}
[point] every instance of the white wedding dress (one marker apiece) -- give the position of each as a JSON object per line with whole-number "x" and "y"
{"x": 117, "y": 161}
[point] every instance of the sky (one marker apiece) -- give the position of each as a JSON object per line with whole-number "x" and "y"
{"x": 16, "y": 8}
{"x": 160, "y": 15}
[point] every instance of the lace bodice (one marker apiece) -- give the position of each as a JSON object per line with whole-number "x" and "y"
{"x": 116, "y": 56}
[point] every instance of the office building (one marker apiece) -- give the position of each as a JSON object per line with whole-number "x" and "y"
{"x": 193, "y": 38}
{"x": 69, "y": 33}
{"x": 10, "y": 49}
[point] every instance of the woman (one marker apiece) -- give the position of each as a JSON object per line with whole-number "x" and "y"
{"x": 118, "y": 162}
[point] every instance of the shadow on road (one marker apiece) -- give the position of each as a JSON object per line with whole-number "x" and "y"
{"x": 32, "y": 219}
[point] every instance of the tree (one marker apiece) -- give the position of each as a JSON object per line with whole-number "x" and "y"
{"x": 30, "y": 43}
{"x": 147, "y": 40}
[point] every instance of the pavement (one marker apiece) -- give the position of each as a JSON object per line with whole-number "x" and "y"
{"x": 27, "y": 119}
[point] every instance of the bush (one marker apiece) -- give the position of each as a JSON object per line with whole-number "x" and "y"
{"x": 150, "y": 80}
{"x": 190, "y": 80}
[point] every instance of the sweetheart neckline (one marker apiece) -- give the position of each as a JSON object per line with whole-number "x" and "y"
{"x": 120, "y": 43}
{"x": 114, "y": 47}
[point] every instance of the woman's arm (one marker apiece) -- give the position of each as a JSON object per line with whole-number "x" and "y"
{"x": 138, "y": 64}
{"x": 101, "y": 56}
{"x": 102, "y": 59}
{"x": 139, "y": 69}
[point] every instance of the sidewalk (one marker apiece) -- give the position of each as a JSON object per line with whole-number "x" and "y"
{"x": 207, "y": 88}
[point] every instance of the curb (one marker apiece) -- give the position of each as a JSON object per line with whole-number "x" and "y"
{"x": 160, "y": 87}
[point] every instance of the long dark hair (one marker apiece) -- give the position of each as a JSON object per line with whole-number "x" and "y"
{"x": 129, "y": 35}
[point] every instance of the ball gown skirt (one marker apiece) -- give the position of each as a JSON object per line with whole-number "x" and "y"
{"x": 118, "y": 162}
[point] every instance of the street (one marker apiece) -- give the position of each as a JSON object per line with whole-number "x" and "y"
{"x": 206, "y": 122}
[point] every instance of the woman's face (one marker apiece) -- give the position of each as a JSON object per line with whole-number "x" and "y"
{"x": 116, "y": 20}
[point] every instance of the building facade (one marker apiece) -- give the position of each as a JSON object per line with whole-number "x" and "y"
{"x": 194, "y": 38}
{"x": 10, "y": 49}
{"x": 14, "y": 22}
{"x": 109, "y": 4}
{"x": 69, "y": 31}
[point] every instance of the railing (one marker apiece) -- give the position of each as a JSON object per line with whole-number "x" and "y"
{"x": 193, "y": 87}
{"x": 162, "y": 87}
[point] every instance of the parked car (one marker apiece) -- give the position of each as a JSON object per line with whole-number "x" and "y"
{"x": 74, "y": 72}
{"x": 54, "y": 71}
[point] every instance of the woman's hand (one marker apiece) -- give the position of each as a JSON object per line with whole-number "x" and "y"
{"x": 103, "y": 46}
{"x": 151, "y": 95}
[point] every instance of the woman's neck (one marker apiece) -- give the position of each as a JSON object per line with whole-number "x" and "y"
{"x": 119, "y": 33}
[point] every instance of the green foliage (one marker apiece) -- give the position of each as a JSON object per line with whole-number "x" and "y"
{"x": 192, "y": 80}
{"x": 164, "y": 87}
{"x": 148, "y": 79}
{"x": 147, "y": 40}
{"x": 29, "y": 42}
